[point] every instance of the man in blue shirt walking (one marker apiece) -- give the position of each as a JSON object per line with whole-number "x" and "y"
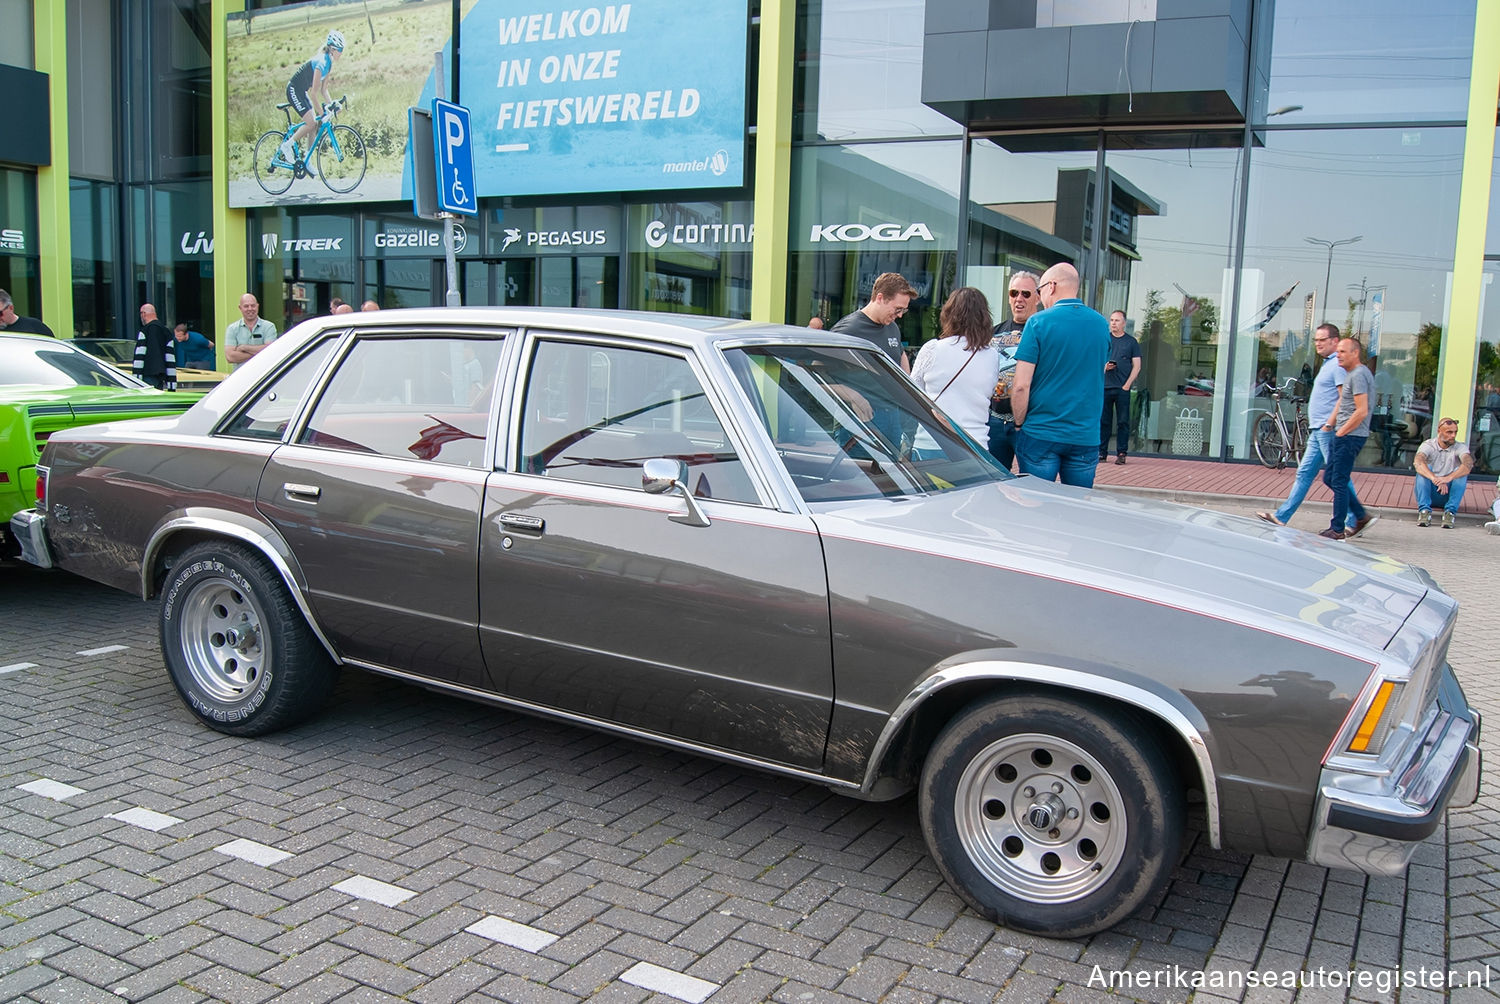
{"x": 1058, "y": 395}
{"x": 1321, "y": 401}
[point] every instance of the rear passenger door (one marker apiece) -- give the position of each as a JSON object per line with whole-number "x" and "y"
{"x": 379, "y": 495}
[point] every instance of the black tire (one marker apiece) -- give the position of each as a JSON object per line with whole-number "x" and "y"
{"x": 274, "y": 180}
{"x": 343, "y": 174}
{"x": 239, "y": 652}
{"x": 1270, "y": 445}
{"x": 1049, "y": 817}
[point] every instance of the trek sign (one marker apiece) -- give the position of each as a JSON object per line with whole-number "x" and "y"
{"x": 633, "y": 96}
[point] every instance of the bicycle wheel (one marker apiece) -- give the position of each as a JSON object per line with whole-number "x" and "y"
{"x": 342, "y": 158}
{"x": 1270, "y": 444}
{"x": 277, "y": 179}
{"x": 1303, "y": 434}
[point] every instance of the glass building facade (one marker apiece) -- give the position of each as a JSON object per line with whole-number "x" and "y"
{"x": 1332, "y": 177}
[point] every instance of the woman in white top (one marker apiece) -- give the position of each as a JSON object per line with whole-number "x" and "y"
{"x": 958, "y": 370}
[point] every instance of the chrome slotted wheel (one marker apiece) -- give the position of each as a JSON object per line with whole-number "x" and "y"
{"x": 224, "y": 641}
{"x": 1040, "y": 818}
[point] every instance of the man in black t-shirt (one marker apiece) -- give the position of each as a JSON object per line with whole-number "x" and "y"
{"x": 11, "y": 321}
{"x": 1119, "y": 376}
{"x": 876, "y": 320}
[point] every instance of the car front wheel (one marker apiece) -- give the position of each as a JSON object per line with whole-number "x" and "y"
{"x": 238, "y": 650}
{"x": 1050, "y": 817}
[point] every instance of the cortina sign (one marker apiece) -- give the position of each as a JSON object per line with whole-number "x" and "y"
{"x": 853, "y": 233}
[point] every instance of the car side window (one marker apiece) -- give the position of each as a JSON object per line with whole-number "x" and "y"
{"x": 595, "y": 413}
{"x": 417, "y": 397}
{"x": 267, "y": 414}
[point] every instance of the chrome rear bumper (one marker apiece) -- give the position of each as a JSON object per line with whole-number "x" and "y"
{"x": 29, "y": 528}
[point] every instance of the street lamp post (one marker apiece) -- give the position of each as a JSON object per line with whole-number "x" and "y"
{"x": 1328, "y": 274}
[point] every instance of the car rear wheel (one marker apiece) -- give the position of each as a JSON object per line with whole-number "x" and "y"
{"x": 239, "y": 651}
{"x": 1050, "y": 817}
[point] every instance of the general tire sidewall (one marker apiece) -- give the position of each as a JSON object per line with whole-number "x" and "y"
{"x": 232, "y": 718}
{"x": 1153, "y": 812}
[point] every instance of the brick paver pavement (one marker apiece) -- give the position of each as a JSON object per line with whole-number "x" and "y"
{"x": 410, "y": 846}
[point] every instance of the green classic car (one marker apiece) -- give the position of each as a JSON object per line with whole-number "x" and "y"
{"x": 46, "y": 384}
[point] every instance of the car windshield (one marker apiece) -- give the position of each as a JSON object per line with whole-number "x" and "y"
{"x": 56, "y": 365}
{"x": 847, "y": 427}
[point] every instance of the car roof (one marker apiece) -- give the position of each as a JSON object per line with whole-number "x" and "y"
{"x": 678, "y": 329}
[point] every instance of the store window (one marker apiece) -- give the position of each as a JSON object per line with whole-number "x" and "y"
{"x": 95, "y": 227}
{"x": 865, "y": 209}
{"x": 20, "y": 242}
{"x": 690, "y": 257}
{"x": 182, "y": 258}
{"x": 304, "y": 259}
{"x": 1367, "y": 60}
{"x": 859, "y": 72}
{"x": 1356, "y": 228}
{"x": 170, "y": 119}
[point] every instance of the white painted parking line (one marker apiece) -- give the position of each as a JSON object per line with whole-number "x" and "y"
{"x": 374, "y": 890}
{"x": 48, "y": 788}
{"x": 256, "y": 854}
{"x": 508, "y": 932}
{"x": 16, "y": 667}
{"x": 146, "y": 819}
{"x": 665, "y": 981}
{"x": 102, "y": 651}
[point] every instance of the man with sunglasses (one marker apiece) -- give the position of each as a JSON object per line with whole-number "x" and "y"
{"x": 1023, "y": 303}
{"x": 1321, "y": 402}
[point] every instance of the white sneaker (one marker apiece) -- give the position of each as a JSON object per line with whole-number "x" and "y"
{"x": 288, "y": 152}
{"x": 1493, "y": 528}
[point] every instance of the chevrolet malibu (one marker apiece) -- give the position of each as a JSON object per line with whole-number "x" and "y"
{"x": 764, "y": 544}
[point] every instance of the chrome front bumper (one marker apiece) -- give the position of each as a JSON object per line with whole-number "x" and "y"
{"x": 1374, "y": 823}
{"x": 29, "y": 528}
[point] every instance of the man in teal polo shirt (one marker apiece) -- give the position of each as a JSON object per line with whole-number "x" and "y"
{"x": 1058, "y": 395}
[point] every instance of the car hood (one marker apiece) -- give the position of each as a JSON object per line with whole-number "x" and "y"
{"x": 1230, "y": 567}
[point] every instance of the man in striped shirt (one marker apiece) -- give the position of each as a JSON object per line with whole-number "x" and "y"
{"x": 155, "y": 358}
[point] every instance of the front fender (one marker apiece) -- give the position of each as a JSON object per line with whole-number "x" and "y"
{"x": 206, "y": 523}
{"x": 1173, "y": 711}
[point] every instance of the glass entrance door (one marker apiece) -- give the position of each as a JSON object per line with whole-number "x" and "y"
{"x": 585, "y": 281}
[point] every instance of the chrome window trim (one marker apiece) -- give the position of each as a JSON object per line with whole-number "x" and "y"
{"x": 1055, "y": 677}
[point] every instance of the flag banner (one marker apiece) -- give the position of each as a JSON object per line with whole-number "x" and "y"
{"x": 1273, "y": 308}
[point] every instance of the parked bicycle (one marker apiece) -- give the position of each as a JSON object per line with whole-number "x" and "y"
{"x": 339, "y": 151}
{"x": 1277, "y": 441}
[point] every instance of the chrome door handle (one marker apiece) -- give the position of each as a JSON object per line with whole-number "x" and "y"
{"x": 520, "y": 521}
{"x": 302, "y": 493}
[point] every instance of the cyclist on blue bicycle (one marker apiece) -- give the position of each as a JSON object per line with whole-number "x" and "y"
{"x": 310, "y": 84}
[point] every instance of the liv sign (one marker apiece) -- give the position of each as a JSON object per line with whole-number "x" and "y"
{"x": 643, "y": 95}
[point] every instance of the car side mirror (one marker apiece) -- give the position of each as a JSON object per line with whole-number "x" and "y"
{"x": 660, "y": 476}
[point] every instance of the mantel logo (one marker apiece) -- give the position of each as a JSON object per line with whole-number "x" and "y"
{"x": 715, "y": 163}
{"x": 268, "y": 243}
{"x": 852, "y": 233}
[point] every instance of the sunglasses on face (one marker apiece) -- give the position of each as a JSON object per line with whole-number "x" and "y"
{"x": 1024, "y": 294}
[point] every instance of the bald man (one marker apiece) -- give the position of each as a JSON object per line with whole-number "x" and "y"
{"x": 155, "y": 359}
{"x": 369, "y": 305}
{"x": 1058, "y": 396}
{"x": 244, "y": 339}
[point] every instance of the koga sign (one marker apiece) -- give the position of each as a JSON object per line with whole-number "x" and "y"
{"x": 854, "y": 233}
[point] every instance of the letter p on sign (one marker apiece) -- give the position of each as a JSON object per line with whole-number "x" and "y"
{"x": 454, "y": 151}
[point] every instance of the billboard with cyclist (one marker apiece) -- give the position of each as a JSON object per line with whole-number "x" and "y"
{"x": 318, "y": 94}
{"x": 617, "y": 97}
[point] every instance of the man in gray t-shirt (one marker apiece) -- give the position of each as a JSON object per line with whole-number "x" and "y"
{"x": 890, "y": 296}
{"x": 1443, "y": 465}
{"x": 1350, "y": 425}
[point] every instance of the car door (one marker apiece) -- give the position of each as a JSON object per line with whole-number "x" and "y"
{"x": 596, "y": 602}
{"x": 379, "y": 497}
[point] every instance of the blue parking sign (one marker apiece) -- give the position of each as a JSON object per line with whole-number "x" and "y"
{"x": 452, "y": 143}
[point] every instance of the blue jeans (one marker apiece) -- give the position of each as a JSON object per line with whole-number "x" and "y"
{"x": 1045, "y": 459}
{"x": 1428, "y": 494}
{"x": 1002, "y": 440}
{"x": 1314, "y": 457}
{"x": 1118, "y": 399}
{"x": 1336, "y": 477}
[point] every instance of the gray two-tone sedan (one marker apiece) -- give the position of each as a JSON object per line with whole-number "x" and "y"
{"x": 716, "y": 535}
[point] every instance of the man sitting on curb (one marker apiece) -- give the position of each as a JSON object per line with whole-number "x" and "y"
{"x": 1443, "y": 465}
